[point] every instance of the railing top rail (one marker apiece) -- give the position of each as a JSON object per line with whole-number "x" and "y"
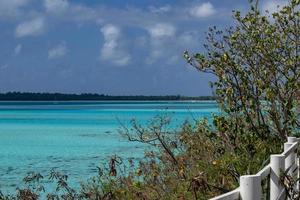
{"x": 292, "y": 139}
{"x": 290, "y": 149}
{"x": 264, "y": 172}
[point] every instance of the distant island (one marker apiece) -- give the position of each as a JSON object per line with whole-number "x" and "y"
{"x": 30, "y": 96}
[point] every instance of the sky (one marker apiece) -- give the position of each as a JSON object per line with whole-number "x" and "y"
{"x": 115, "y": 47}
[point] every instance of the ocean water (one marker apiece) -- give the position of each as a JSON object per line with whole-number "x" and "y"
{"x": 76, "y": 137}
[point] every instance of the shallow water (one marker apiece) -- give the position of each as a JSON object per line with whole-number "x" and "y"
{"x": 75, "y": 137}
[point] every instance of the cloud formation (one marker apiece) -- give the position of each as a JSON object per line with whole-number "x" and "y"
{"x": 32, "y": 27}
{"x": 163, "y": 44}
{"x": 81, "y": 13}
{"x": 112, "y": 50}
{"x": 56, "y": 6}
{"x": 160, "y": 10}
{"x": 58, "y": 51}
{"x": 161, "y": 30}
{"x": 69, "y": 11}
{"x": 203, "y": 10}
{"x": 11, "y": 8}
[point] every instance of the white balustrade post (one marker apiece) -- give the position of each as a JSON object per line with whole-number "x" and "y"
{"x": 298, "y": 173}
{"x": 250, "y": 187}
{"x": 291, "y": 159}
{"x": 293, "y": 140}
{"x": 296, "y": 159}
{"x": 277, "y": 166}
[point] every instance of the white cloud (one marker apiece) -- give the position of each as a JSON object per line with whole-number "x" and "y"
{"x": 168, "y": 50}
{"x": 70, "y": 11}
{"x": 18, "y": 49}
{"x": 203, "y": 10}
{"x": 160, "y": 10}
{"x": 32, "y": 27}
{"x": 273, "y": 5}
{"x": 56, "y": 6}
{"x": 161, "y": 35}
{"x": 112, "y": 50}
{"x": 11, "y": 8}
{"x": 162, "y": 30}
{"x": 82, "y": 13}
{"x": 58, "y": 51}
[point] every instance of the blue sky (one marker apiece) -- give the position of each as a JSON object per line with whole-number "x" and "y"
{"x": 115, "y": 47}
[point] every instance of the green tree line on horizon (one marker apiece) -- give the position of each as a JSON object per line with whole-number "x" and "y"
{"x": 30, "y": 96}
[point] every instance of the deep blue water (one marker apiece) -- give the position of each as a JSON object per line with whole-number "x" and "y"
{"x": 75, "y": 137}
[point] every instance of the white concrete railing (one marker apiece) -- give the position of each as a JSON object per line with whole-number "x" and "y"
{"x": 250, "y": 185}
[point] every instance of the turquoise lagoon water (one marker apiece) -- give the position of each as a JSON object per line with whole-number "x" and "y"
{"x": 75, "y": 137}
